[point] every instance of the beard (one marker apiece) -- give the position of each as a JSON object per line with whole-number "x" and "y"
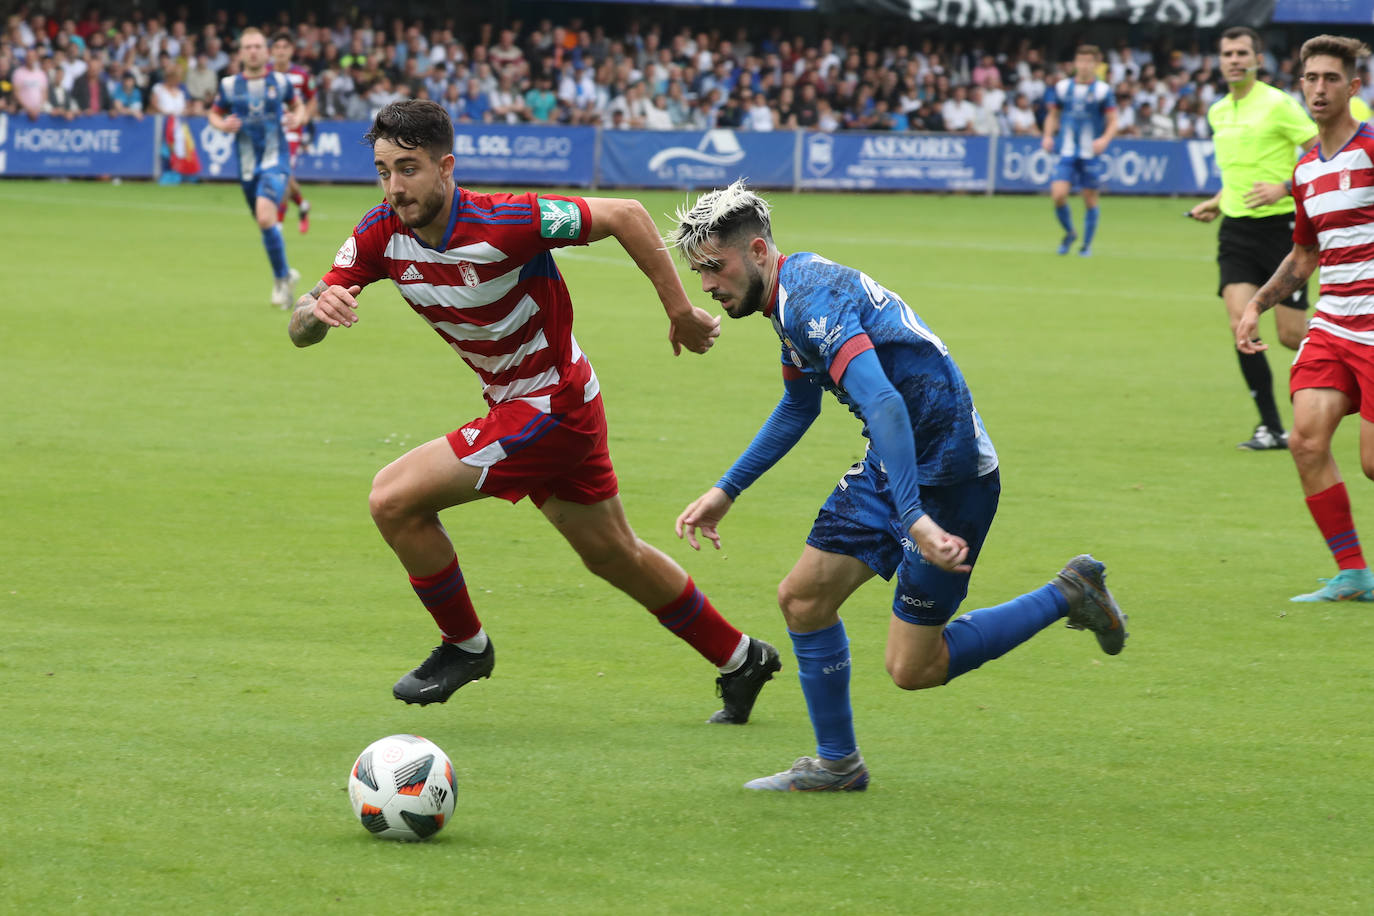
{"x": 430, "y": 206}
{"x": 752, "y": 300}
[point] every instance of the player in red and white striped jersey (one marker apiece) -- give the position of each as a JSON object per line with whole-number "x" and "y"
{"x": 478, "y": 269}
{"x": 303, "y": 81}
{"x": 1333, "y": 374}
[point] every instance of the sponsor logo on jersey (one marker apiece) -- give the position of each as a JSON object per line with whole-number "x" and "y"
{"x": 469, "y": 273}
{"x": 559, "y": 219}
{"x": 817, "y": 329}
{"x": 1345, "y": 179}
{"x": 1309, "y": 191}
{"x": 469, "y": 434}
{"x": 348, "y": 253}
{"x": 412, "y": 275}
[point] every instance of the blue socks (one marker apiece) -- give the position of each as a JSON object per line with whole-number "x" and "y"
{"x": 276, "y": 250}
{"x": 982, "y": 635}
{"x": 823, "y": 668}
{"x": 1089, "y": 226}
{"x": 1065, "y": 218}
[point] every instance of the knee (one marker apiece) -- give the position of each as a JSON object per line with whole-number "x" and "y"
{"x": 388, "y": 502}
{"x": 1292, "y": 338}
{"x": 802, "y": 610}
{"x": 1307, "y": 448}
{"x": 917, "y": 676}
{"x": 610, "y": 552}
{"x": 1367, "y": 465}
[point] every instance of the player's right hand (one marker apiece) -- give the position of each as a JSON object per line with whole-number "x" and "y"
{"x": 705, "y": 513}
{"x": 232, "y": 124}
{"x": 1205, "y": 212}
{"x": 696, "y": 330}
{"x": 337, "y": 306}
{"x": 1247, "y": 331}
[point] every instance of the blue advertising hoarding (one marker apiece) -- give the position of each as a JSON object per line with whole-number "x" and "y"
{"x": 523, "y": 156}
{"x": 894, "y": 161}
{"x": 1326, "y": 12}
{"x": 691, "y": 159}
{"x": 483, "y": 153}
{"x": 1133, "y": 166}
{"x": 99, "y": 145}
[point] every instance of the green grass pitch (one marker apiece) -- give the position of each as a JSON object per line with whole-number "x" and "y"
{"x": 201, "y": 625}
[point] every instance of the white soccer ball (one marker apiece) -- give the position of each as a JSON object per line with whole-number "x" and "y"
{"x": 402, "y": 788}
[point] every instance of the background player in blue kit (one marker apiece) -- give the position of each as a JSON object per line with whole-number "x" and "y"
{"x": 918, "y": 505}
{"x": 250, "y": 105}
{"x": 1080, "y": 123}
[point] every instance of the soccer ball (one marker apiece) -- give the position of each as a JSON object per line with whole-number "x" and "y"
{"x": 402, "y": 788}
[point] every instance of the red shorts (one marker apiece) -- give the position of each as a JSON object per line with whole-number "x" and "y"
{"x": 526, "y": 452}
{"x": 1327, "y": 361}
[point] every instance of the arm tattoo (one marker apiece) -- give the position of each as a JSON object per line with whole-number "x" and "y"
{"x": 1286, "y": 281}
{"x": 305, "y": 329}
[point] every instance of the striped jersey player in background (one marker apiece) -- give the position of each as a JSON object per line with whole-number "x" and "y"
{"x": 918, "y": 505}
{"x": 297, "y": 136}
{"x": 478, "y": 269}
{"x": 1334, "y": 369}
{"x": 254, "y": 105}
{"x": 1079, "y": 125}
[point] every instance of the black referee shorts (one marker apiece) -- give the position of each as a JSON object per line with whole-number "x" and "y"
{"x": 1250, "y": 249}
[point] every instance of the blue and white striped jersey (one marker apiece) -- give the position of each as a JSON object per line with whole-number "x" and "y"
{"x": 259, "y": 104}
{"x": 1083, "y": 111}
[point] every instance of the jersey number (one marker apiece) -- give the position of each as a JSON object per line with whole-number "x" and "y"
{"x": 881, "y": 297}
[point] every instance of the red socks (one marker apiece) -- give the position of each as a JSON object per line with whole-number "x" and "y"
{"x": 692, "y": 617}
{"x": 1331, "y": 510}
{"x": 445, "y": 596}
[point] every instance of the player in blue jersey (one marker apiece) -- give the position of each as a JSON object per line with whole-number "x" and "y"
{"x": 919, "y": 505}
{"x": 251, "y": 105}
{"x": 1080, "y": 123}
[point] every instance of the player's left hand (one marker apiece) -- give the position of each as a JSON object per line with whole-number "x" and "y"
{"x": 1100, "y": 146}
{"x": 705, "y": 513}
{"x": 939, "y": 547}
{"x": 696, "y": 330}
{"x": 1264, "y": 193}
{"x": 293, "y": 120}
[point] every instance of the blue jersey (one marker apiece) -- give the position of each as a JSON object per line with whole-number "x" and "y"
{"x": 259, "y": 104}
{"x": 826, "y": 314}
{"x": 1083, "y": 111}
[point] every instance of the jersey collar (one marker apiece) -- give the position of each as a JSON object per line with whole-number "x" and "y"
{"x": 452, "y": 221}
{"x": 777, "y": 281}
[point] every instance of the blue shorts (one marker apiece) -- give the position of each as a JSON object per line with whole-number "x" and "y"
{"x": 1085, "y": 173}
{"x": 859, "y": 520}
{"x": 271, "y": 185}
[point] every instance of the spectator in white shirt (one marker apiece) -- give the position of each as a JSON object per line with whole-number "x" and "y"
{"x": 958, "y": 111}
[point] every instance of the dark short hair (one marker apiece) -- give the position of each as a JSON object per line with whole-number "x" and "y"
{"x": 414, "y": 124}
{"x": 283, "y": 35}
{"x": 1244, "y": 31}
{"x": 1094, "y": 50}
{"x": 1347, "y": 50}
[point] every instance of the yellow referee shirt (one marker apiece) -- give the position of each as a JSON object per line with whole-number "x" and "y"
{"x": 1255, "y": 139}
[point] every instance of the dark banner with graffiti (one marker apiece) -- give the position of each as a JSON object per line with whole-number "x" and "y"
{"x": 996, "y": 14}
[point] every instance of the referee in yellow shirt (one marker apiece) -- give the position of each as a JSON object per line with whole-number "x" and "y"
{"x": 1256, "y": 130}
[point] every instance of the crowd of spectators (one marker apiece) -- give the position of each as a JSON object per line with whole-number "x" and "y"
{"x": 640, "y": 77}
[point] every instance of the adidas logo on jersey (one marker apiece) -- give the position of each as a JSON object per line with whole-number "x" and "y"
{"x": 412, "y": 275}
{"x": 470, "y": 434}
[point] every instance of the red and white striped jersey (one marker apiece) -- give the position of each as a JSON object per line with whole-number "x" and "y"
{"x": 492, "y": 291}
{"x": 303, "y": 81}
{"x": 1336, "y": 213}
